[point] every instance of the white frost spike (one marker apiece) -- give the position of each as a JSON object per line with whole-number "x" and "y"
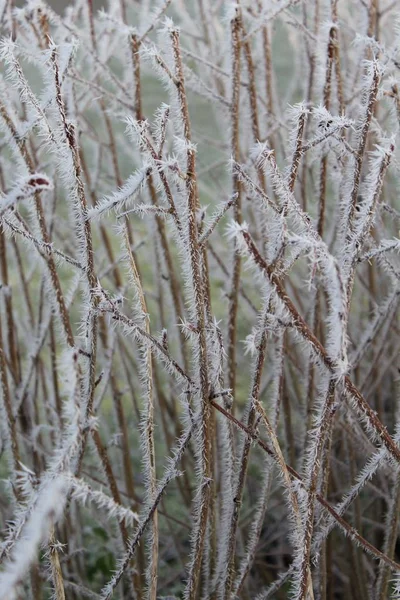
{"x": 325, "y": 120}
{"x": 127, "y": 192}
{"x": 250, "y": 345}
{"x": 25, "y": 188}
{"x": 84, "y": 493}
{"x": 47, "y": 510}
{"x": 169, "y": 26}
{"x": 259, "y": 154}
{"x": 183, "y": 146}
{"x": 231, "y": 11}
{"x": 234, "y": 232}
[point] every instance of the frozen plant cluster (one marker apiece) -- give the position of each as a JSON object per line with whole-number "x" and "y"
{"x": 199, "y": 290}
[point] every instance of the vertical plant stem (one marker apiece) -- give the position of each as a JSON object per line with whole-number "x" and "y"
{"x": 235, "y": 28}
{"x": 149, "y": 423}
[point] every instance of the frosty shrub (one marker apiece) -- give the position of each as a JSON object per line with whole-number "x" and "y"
{"x": 199, "y": 286}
